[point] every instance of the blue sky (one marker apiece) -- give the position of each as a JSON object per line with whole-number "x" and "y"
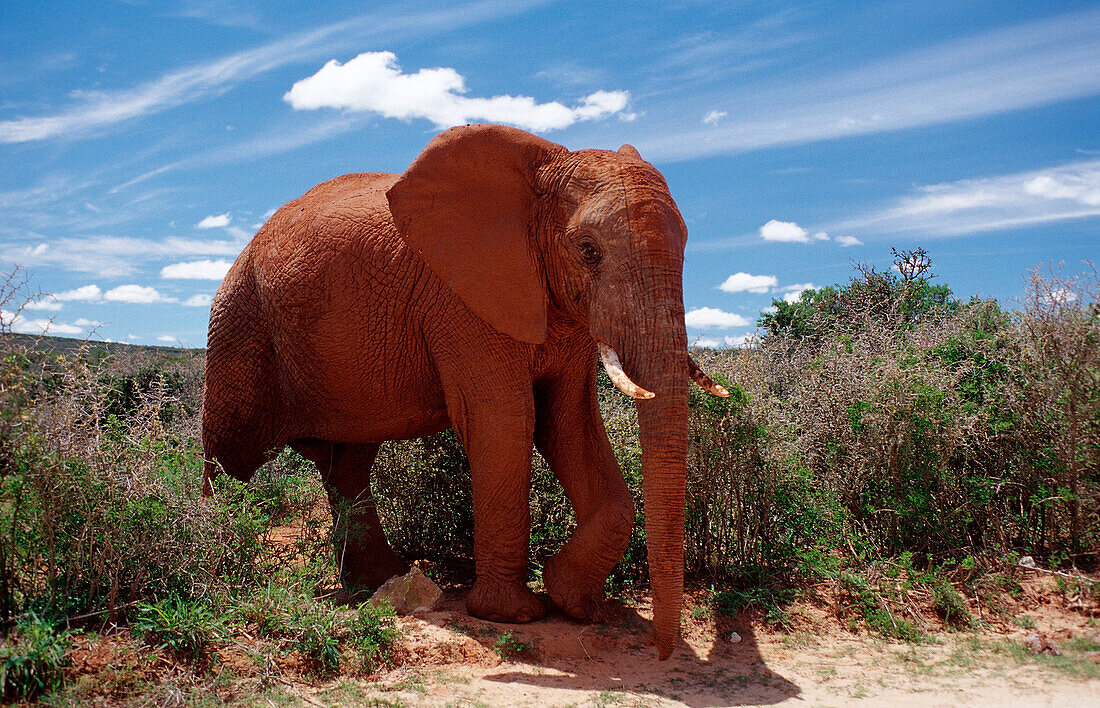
{"x": 143, "y": 142}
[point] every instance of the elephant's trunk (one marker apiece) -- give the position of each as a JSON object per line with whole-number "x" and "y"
{"x": 660, "y": 364}
{"x": 663, "y": 424}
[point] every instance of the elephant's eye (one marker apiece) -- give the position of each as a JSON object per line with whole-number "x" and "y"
{"x": 590, "y": 251}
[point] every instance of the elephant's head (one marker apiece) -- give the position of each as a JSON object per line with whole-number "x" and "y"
{"x": 526, "y": 231}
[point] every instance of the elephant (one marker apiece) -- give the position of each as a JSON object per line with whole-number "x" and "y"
{"x": 472, "y": 291}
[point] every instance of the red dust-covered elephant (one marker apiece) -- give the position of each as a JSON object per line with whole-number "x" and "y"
{"x": 471, "y": 292}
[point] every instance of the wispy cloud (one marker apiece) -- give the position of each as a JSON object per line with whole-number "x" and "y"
{"x": 373, "y": 82}
{"x": 96, "y": 110}
{"x": 1070, "y": 191}
{"x": 114, "y": 256}
{"x": 1022, "y": 66}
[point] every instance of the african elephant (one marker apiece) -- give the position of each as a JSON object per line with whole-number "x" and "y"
{"x": 471, "y": 292}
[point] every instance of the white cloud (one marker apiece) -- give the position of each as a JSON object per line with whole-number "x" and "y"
{"x": 214, "y": 221}
{"x": 166, "y": 338}
{"x": 85, "y": 293}
{"x": 374, "y": 82}
{"x": 713, "y": 117}
{"x": 1062, "y": 192}
{"x": 196, "y": 270}
{"x": 135, "y": 294}
{"x": 18, "y": 323}
{"x": 744, "y": 282}
{"x": 741, "y": 340}
{"x": 198, "y": 300}
{"x": 85, "y": 322}
{"x": 793, "y": 296}
{"x": 785, "y": 231}
{"x": 117, "y": 256}
{"x": 798, "y": 287}
{"x": 820, "y": 236}
{"x": 46, "y": 302}
{"x": 846, "y": 241}
{"x": 712, "y": 318}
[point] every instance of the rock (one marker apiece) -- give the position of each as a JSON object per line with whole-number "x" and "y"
{"x": 1040, "y": 644}
{"x": 1026, "y": 562}
{"x": 735, "y": 637}
{"x": 409, "y": 593}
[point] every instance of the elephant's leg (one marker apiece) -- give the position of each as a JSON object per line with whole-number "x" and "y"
{"x": 363, "y": 556}
{"x": 570, "y": 435}
{"x": 497, "y": 436}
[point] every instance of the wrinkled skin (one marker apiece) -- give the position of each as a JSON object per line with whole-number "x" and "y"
{"x": 469, "y": 292}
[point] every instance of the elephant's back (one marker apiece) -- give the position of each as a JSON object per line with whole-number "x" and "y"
{"x": 344, "y": 300}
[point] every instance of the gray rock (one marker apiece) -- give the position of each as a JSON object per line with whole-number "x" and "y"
{"x": 409, "y": 593}
{"x": 1040, "y": 644}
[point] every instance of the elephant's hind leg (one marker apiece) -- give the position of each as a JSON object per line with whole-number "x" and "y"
{"x": 363, "y": 556}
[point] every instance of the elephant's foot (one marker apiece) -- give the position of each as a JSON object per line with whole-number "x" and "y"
{"x": 359, "y": 574}
{"x": 500, "y": 602}
{"x": 578, "y": 596}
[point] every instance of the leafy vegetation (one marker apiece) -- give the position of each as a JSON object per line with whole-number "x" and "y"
{"x": 883, "y": 439}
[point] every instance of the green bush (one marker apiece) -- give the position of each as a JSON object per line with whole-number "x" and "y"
{"x": 32, "y": 657}
{"x": 373, "y": 635}
{"x": 187, "y": 628}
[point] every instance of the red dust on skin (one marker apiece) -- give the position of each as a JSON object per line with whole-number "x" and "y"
{"x": 464, "y": 293}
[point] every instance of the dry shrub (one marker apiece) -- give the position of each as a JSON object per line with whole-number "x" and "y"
{"x": 885, "y": 417}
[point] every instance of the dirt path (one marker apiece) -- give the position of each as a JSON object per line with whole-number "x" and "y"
{"x": 450, "y": 659}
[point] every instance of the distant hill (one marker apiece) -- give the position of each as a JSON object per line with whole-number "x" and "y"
{"x": 68, "y": 345}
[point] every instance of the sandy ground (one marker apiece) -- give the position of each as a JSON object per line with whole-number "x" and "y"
{"x": 449, "y": 658}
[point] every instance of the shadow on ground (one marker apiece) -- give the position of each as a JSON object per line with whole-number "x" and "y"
{"x": 559, "y": 653}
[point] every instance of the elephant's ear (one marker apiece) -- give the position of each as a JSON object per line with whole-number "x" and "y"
{"x": 465, "y": 206}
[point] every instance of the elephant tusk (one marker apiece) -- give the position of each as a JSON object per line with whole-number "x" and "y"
{"x": 618, "y": 377}
{"x": 705, "y": 381}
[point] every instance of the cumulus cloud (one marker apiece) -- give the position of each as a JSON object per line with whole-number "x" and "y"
{"x": 744, "y": 282}
{"x": 214, "y": 221}
{"x": 786, "y": 231}
{"x": 136, "y": 294}
{"x": 713, "y": 318}
{"x": 85, "y": 322}
{"x": 846, "y": 241}
{"x": 196, "y": 270}
{"x": 713, "y": 117}
{"x": 85, "y": 293}
{"x": 374, "y": 82}
{"x": 199, "y": 300}
{"x": 166, "y": 338}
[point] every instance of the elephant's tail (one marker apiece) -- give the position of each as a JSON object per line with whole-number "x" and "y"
{"x": 209, "y": 469}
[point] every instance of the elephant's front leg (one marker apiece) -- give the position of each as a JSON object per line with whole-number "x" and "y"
{"x": 497, "y": 432}
{"x": 570, "y": 435}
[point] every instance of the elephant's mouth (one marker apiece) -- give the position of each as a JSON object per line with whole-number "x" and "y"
{"x": 615, "y": 372}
